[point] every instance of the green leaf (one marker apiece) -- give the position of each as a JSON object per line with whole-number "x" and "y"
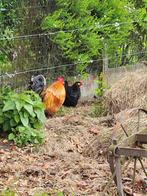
{"x": 6, "y": 125}
{"x": 33, "y": 134}
{"x": 9, "y": 105}
{"x": 37, "y": 124}
{"x": 13, "y": 123}
{"x": 8, "y": 114}
{"x": 24, "y": 119}
{"x": 29, "y": 108}
{"x": 26, "y": 98}
{"x": 18, "y": 105}
{"x": 1, "y": 119}
{"x": 39, "y": 105}
{"x": 40, "y": 115}
{"x": 11, "y": 136}
{"x": 16, "y": 118}
{"x": 21, "y": 129}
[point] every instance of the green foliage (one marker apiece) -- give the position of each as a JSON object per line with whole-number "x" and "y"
{"x": 102, "y": 85}
{"x": 98, "y": 109}
{"x": 18, "y": 18}
{"x": 83, "y": 30}
{"x": 87, "y": 27}
{"x": 8, "y": 23}
{"x": 8, "y": 192}
{"x": 64, "y": 111}
{"x": 22, "y": 116}
{"x": 60, "y": 194}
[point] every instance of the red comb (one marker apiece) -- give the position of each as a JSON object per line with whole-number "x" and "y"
{"x": 81, "y": 82}
{"x": 60, "y": 78}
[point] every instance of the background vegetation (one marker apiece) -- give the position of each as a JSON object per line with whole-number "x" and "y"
{"x": 63, "y": 37}
{"x": 75, "y": 32}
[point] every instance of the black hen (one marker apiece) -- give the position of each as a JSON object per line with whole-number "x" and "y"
{"x": 73, "y": 94}
{"x": 37, "y": 83}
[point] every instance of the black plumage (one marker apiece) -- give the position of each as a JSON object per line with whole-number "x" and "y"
{"x": 73, "y": 93}
{"x": 37, "y": 83}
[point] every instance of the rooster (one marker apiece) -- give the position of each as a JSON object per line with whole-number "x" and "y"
{"x": 73, "y": 93}
{"x": 53, "y": 96}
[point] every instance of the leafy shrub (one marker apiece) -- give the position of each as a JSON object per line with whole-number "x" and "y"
{"x": 84, "y": 30}
{"x": 22, "y": 116}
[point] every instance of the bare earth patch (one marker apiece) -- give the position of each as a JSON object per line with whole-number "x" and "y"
{"x": 73, "y": 158}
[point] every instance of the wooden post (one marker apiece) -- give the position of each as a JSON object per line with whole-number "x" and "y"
{"x": 119, "y": 177}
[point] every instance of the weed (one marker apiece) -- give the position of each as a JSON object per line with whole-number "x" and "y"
{"x": 98, "y": 109}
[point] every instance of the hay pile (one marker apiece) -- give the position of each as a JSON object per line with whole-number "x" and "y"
{"x": 129, "y": 92}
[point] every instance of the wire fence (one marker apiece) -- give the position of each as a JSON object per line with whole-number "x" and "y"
{"x": 97, "y": 26}
{"x": 13, "y": 74}
{"x": 31, "y": 52}
{"x": 19, "y": 77}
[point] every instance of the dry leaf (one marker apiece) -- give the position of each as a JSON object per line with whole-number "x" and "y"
{"x": 94, "y": 130}
{"x": 2, "y": 158}
{"x": 13, "y": 147}
{"x": 2, "y": 151}
{"x": 5, "y": 141}
{"x": 128, "y": 190}
{"x": 46, "y": 165}
{"x": 82, "y": 185}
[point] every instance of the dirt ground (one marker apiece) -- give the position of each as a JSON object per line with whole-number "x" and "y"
{"x": 73, "y": 158}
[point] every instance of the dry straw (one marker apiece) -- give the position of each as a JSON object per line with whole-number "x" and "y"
{"x": 129, "y": 92}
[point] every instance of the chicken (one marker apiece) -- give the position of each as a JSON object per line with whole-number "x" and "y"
{"x": 37, "y": 84}
{"x": 52, "y": 96}
{"x": 73, "y": 93}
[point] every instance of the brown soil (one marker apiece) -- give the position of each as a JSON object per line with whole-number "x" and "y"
{"x": 73, "y": 158}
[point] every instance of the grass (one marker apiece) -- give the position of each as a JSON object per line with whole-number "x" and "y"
{"x": 64, "y": 111}
{"x": 8, "y": 192}
{"x": 98, "y": 109}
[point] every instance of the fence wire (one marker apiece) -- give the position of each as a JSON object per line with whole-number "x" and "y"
{"x": 97, "y": 26}
{"x": 31, "y": 52}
